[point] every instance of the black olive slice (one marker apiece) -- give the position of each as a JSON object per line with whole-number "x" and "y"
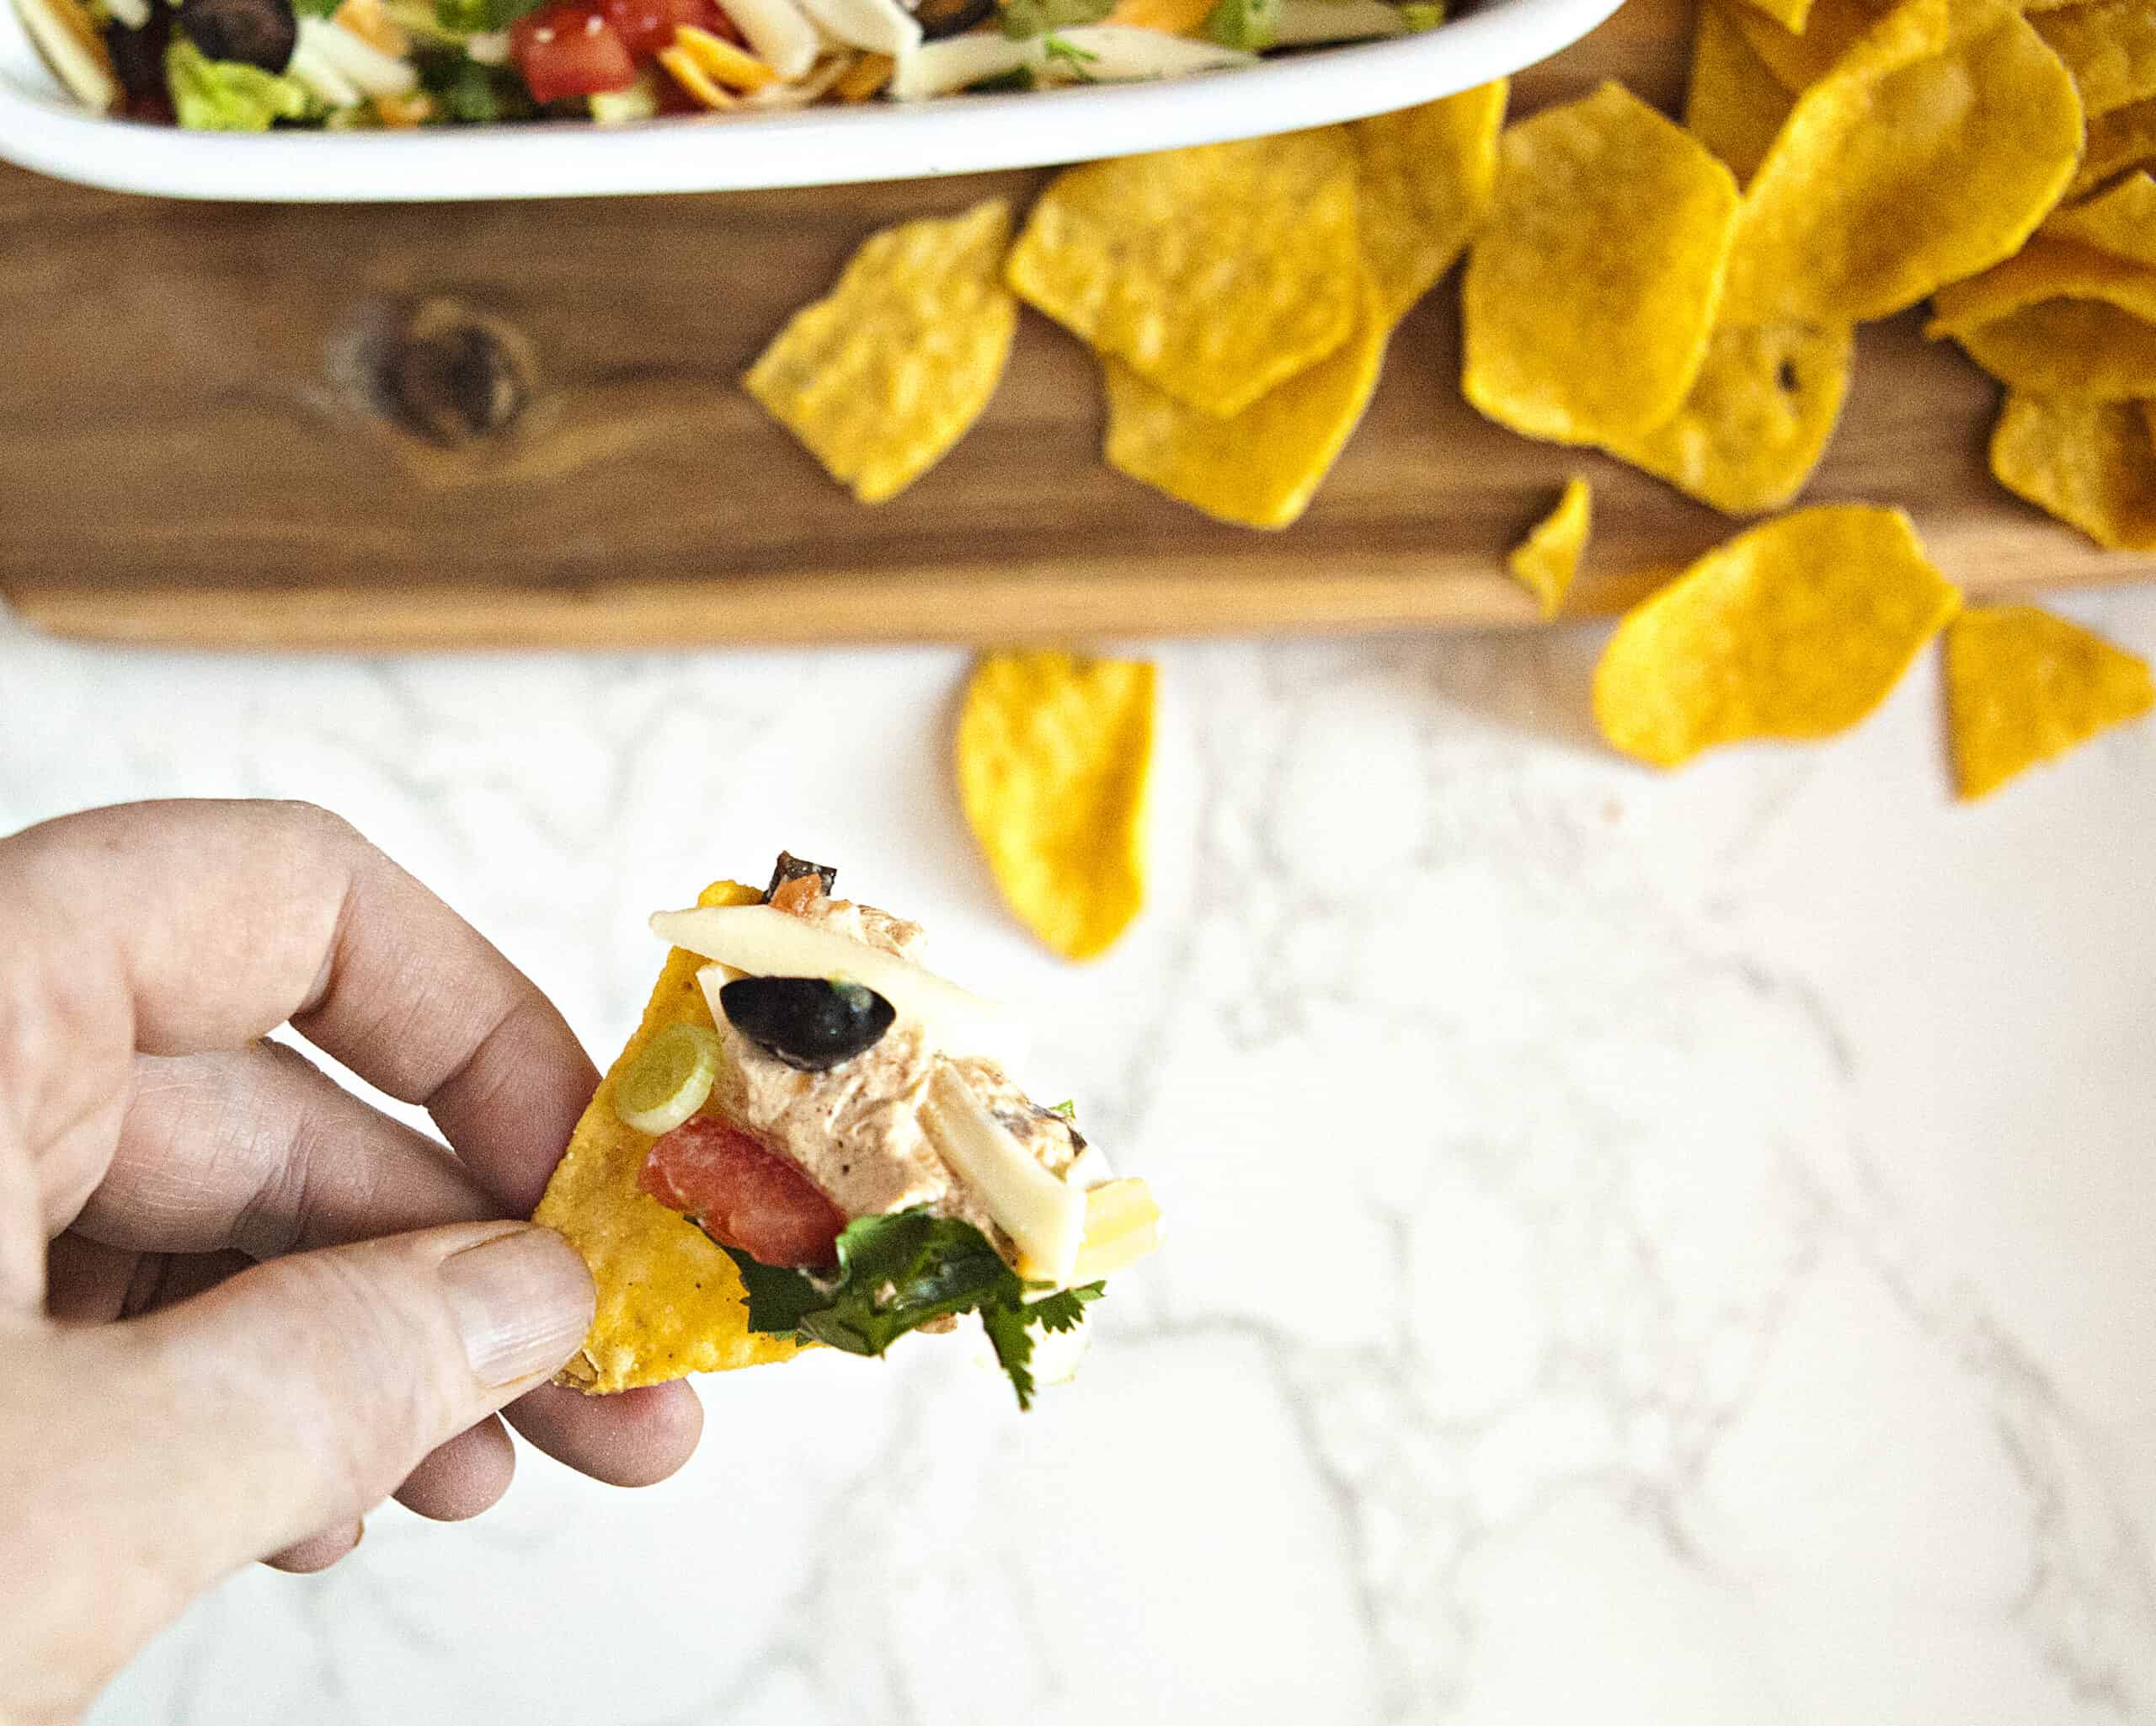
{"x": 946, "y": 17}
{"x": 791, "y": 867}
{"x": 253, "y": 32}
{"x": 807, "y": 1022}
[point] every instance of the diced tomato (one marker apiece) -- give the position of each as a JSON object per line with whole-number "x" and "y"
{"x": 742, "y": 1195}
{"x": 569, "y": 50}
{"x": 646, "y": 26}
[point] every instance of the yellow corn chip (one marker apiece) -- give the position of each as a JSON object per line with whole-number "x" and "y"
{"x": 2109, "y": 45}
{"x": 2091, "y": 464}
{"x": 2122, "y": 221}
{"x": 1798, "y": 59}
{"x": 1798, "y": 629}
{"x": 1425, "y": 176}
{"x": 1546, "y": 560}
{"x": 1215, "y": 272}
{"x": 2057, "y": 318}
{"x": 1933, "y": 148}
{"x": 1591, "y": 290}
{"x": 2118, "y": 140}
{"x": 1262, "y": 467}
{"x": 1757, "y": 419}
{"x": 884, "y": 374}
{"x": 671, "y": 1302}
{"x": 1789, "y": 14}
{"x": 1734, "y": 105}
{"x": 1054, "y": 754}
{"x": 2023, "y": 687}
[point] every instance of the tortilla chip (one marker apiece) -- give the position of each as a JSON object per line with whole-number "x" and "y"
{"x": 2122, "y": 221}
{"x": 1757, "y": 420}
{"x": 1734, "y": 105}
{"x": 671, "y": 1301}
{"x": 1546, "y": 560}
{"x": 1214, "y": 273}
{"x": 1932, "y": 150}
{"x": 1262, "y": 467}
{"x": 1797, "y": 629}
{"x": 1798, "y": 59}
{"x": 1054, "y": 754}
{"x": 2109, "y": 45}
{"x": 2023, "y": 687}
{"x": 2118, "y": 140}
{"x": 2091, "y": 464}
{"x": 1789, "y": 14}
{"x": 880, "y": 377}
{"x": 1425, "y": 176}
{"x": 2057, "y": 318}
{"x": 1591, "y": 290}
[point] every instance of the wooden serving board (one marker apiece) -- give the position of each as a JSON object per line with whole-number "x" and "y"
{"x": 517, "y": 424}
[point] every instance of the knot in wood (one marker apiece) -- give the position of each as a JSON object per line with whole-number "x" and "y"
{"x": 453, "y": 376}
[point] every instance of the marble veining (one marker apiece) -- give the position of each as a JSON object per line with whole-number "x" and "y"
{"x": 1669, "y": 1249}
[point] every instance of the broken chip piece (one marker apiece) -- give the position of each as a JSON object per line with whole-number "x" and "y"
{"x": 1758, "y": 419}
{"x": 1426, "y": 174}
{"x": 854, "y": 1167}
{"x": 1931, "y": 150}
{"x": 1797, "y": 629}
{"x": 1054, "y": 755}
{"x": 1546, "y": 560}
{"x": 2110, "y": 47}
{"x": 884, "y": 375}
{"x": 1259, "y": 467}
{"x": 1591, "y": 290}
{"x": 1214, "y": 273}
{"x": 2090, "y": 463}
{"x": 2023, "y": 687}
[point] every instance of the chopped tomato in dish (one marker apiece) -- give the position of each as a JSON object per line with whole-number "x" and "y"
{"x": 570, "y": 49}
{"x": 646, "y": 26}
{"x": 742, "y": 1195}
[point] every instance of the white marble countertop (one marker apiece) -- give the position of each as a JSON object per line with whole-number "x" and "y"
{"x": 1666, "y": 1250}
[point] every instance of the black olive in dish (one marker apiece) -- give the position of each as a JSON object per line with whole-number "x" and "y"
{"x": 253, "y": 32}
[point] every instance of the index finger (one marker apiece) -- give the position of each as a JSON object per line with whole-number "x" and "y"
{"x": 180, "y": 927}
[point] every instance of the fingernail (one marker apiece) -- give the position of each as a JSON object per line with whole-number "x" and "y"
{"x": 522, "y": 1301}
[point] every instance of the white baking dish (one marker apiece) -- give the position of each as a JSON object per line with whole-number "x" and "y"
{"x": 41, "y": 128}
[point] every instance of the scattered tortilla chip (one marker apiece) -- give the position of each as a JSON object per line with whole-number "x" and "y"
{"x": 1798, "y": 59}
{"x": 2109, "y": 45}
{"x": 1548, "y": 558}
{"x": 671, "y": 1301}
{"x": 2057, "y": 318}
{"x": 1261, "y": 468}
{"x": 884, "y": 374}
{"x": 1425, "y": 176}
{"x": 1591, "y": 290}
{"x": 1215, "y": 272}
{"x": 2121, "y": 220}
{"x": 2023, "y": 687}
{"x": 2118, "y": 140}
{"x": 1734, "y": 105}
{"x": 1931, "y": 150}
{"x": 1789, "y": 14}
{"x": 1054, "y": 754}
{"x": 1797, "y": 629}
{"x": 1757, "y": 419}
{"x": 2091, "y": 464}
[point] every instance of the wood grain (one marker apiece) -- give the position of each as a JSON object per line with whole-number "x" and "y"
{"x": 201, "y": 444}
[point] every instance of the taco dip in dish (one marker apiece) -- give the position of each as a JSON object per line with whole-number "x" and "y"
{"x": 328, "y": 100}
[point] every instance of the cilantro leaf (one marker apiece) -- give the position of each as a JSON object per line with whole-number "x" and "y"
{"x": 1067, "y": 1109}
{"x": 898, "y": 1273}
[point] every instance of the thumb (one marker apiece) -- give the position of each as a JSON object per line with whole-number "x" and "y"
{"x": 303, "y": 1390}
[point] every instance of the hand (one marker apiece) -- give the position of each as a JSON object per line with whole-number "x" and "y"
{"x": 237, "y": 1305}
